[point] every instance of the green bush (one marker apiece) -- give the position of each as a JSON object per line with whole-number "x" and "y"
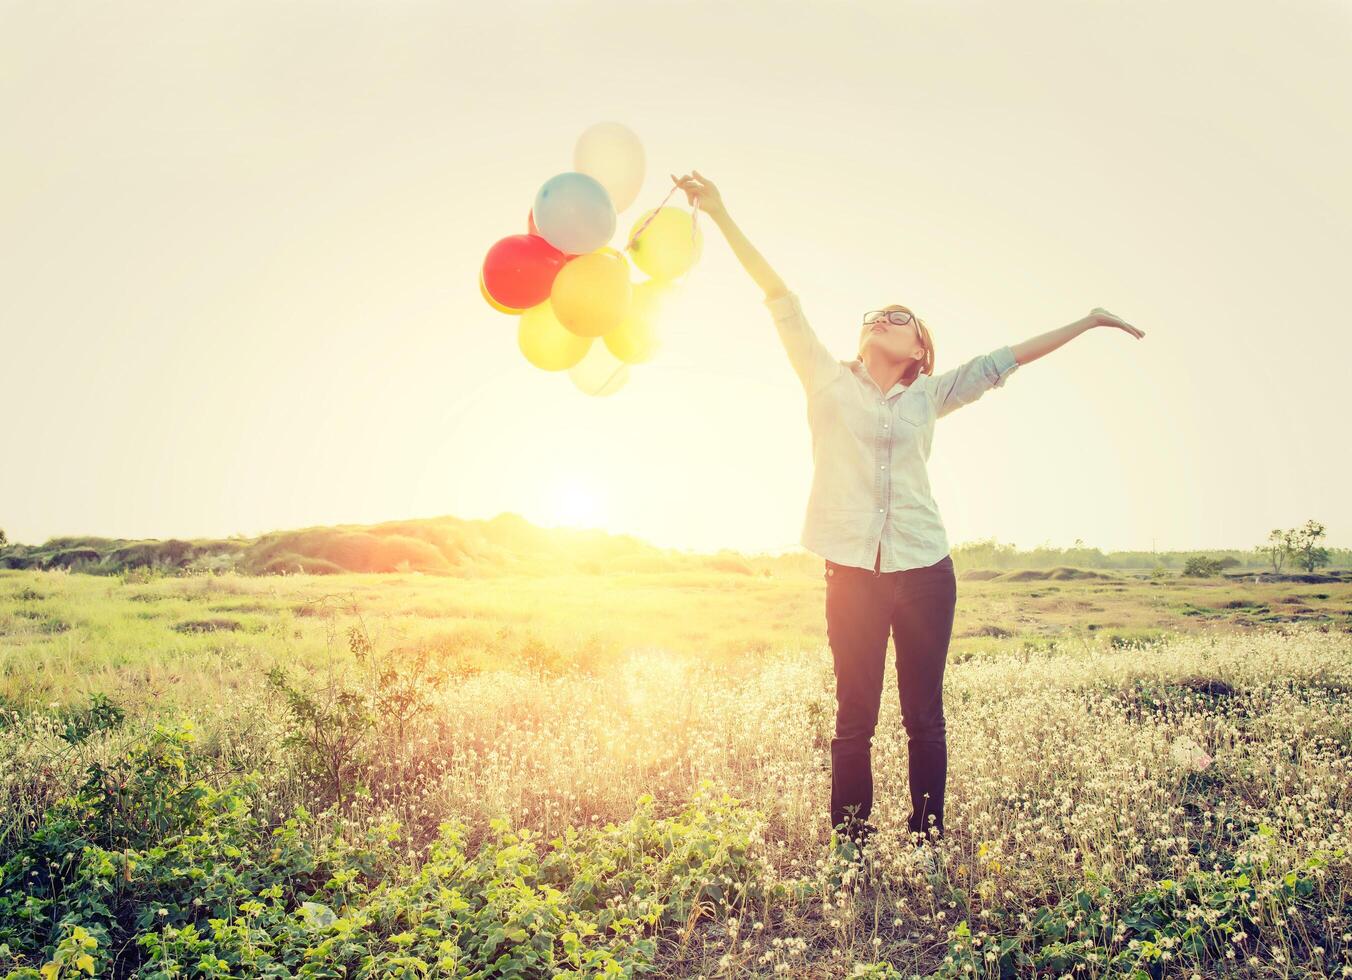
{"x": 101, "y": 714}
{"x": 147, "y": 869}
{"x": 1199, "y": 566}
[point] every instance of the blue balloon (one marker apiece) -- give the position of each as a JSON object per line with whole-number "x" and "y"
{"x": 574, "y": 213}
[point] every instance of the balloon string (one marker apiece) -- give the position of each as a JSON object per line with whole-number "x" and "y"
{"x": 694, "y": 219}
{"x": 648, "y": 220}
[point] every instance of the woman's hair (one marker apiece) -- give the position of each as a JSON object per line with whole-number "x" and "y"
{"x": 924, "y": 366}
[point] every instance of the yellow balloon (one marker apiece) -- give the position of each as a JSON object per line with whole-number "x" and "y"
{"x": 635, "y": 339}
{"x": 545, "y": 341}
{"x": 664, "y": 250}
{"x": 600, "y": 372}
{"x": 491, "y": 301}
{"x": 591, "y": 293}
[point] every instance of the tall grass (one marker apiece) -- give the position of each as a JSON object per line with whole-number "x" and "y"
{"x": 1177, "y": 806}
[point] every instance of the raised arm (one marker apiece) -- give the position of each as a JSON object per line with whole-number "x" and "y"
{"x": 1044, "y": 343}
{"x": 968, "y": 382}
{"x": 814, "y": 364}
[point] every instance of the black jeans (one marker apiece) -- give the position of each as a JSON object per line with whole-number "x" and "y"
{"x": 915, "y": 606}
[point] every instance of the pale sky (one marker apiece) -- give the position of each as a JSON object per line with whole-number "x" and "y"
{"x": 240, "y": 246}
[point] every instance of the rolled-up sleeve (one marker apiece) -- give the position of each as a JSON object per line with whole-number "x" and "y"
{"x": 812, "y": 361}
{"x": 968, "y": 382}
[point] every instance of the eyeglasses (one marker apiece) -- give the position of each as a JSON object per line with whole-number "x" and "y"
{"x": 899, "y": 317}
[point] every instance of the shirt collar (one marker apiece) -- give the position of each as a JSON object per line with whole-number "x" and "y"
{"x": 861, "y": 372}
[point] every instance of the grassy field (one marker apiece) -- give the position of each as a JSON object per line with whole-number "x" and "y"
{"x": 626, "y": 774}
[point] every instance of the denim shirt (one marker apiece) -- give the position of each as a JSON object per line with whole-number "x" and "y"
{"x": 870, "y": 499}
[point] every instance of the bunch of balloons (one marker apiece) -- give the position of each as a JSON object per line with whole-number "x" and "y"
{"x": 565, "y": 283}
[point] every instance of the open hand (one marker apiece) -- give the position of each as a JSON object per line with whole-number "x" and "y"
{"x": 700, "y": 188}
{"x": 1102, "y": 318}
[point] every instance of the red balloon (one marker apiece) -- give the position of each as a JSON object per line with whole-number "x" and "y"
{"x": 519, "y": 270}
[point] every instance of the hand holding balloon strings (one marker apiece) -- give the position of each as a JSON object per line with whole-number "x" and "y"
{"x": 694, "y": 219}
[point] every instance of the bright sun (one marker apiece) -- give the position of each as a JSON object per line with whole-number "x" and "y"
{"x": 577, "y": 502}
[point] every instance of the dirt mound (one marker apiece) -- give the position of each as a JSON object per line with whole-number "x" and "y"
{"x": 1059, "y": 573}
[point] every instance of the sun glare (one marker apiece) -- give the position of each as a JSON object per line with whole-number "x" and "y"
{"x": 577, "y": 502}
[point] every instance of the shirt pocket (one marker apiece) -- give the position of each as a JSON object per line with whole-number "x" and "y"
{"x": 914, "y": 409}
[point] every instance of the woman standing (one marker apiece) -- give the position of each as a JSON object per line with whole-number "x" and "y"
{"x": 872, "y": 520}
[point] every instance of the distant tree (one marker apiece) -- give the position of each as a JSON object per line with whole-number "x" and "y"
{"x": 1305, "y": 546}
{"x": 1277, "y": 548}
{"x": 986, "y": 553}
{"x": 3, "y": 540}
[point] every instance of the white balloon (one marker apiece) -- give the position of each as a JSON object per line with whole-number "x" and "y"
{"x": 612, "y": 153}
